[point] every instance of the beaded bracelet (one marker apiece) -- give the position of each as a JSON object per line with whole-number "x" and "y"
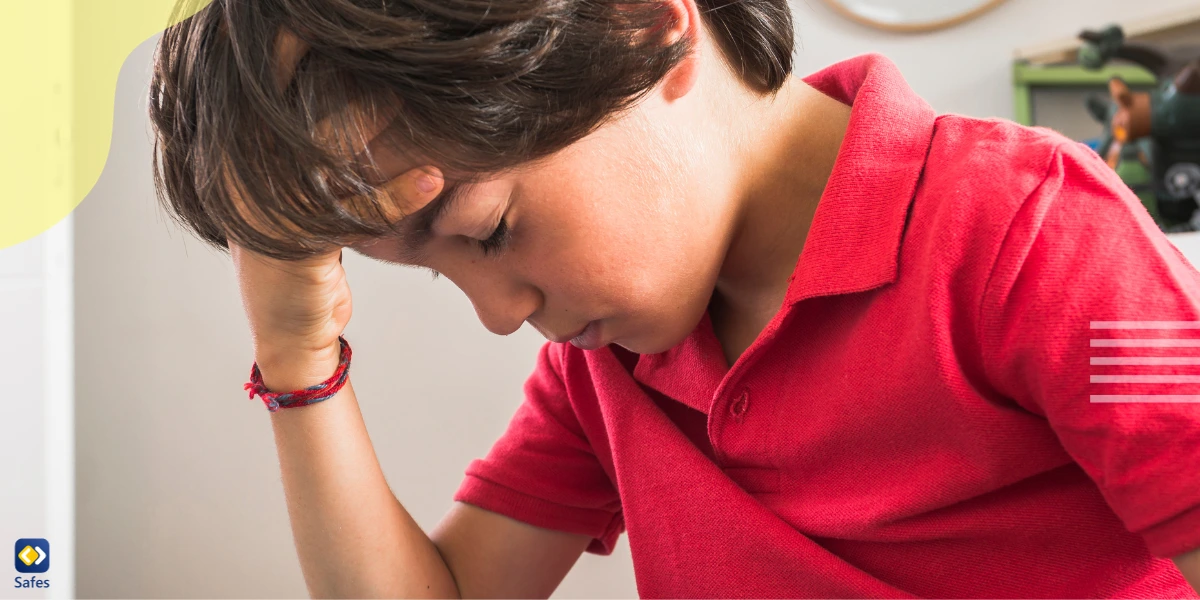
{"x": 309, "y": 395}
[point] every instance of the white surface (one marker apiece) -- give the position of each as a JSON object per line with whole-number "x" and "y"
{"x": 59, "y": 354}
{"x": 1188, "y": 245}
{"x": 37, "y": 495}
{"x": 22, "y": 260}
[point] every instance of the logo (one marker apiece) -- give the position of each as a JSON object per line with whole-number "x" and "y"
{"x": 1145, "y": 361}
{"x": 32, "y": 555}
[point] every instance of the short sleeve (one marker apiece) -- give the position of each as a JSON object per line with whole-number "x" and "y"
{"x": 542, "y": 470}
{"x": 1082, "y": 286}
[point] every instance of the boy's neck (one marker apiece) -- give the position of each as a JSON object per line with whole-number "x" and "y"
{"x": 788, "y": 149}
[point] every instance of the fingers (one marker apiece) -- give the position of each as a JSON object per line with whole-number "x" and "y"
{"x": 289, "y": 49}
{"x": 404, "y": 195}
{"x": 412, "y": 191}
{"x": 426, "y": 182}
{"x": 381, "y": 160}
{"x": 412, "y": 186}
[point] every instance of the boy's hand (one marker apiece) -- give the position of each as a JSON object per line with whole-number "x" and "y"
{"x": 297, "y": 309}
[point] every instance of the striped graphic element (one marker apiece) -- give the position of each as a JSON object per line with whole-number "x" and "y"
{"x": 1165, "y": 344}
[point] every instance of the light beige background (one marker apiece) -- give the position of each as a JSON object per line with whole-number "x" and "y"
{"x": 178, "y": 490}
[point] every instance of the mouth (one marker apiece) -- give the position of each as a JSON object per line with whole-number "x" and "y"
{"x": 587, "y": 338}
{"x": 562, "y": 339}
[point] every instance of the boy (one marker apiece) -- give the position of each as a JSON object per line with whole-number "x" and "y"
{"x": 822, "y": 342}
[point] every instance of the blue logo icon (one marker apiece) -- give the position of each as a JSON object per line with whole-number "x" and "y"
{"x": 32, "y": 555}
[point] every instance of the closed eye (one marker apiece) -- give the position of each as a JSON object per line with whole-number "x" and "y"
{"x": 498, "y": 240}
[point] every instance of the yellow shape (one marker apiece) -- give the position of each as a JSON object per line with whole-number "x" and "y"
{"x": 60, "y": 71}
{"x": 27, "y": 555}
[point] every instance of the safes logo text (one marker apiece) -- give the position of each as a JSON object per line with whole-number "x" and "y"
{"x": 31, "y": 555}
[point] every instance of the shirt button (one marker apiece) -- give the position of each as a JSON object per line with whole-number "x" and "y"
{"x": 738, "y": 408}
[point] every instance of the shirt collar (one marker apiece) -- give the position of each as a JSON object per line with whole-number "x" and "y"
{"x": 853, "y": 243}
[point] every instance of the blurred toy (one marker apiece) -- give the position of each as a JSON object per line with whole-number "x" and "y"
{"x": 1157, "y": 130}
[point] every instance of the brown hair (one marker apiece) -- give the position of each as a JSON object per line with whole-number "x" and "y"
{"x": 480, "y": 86}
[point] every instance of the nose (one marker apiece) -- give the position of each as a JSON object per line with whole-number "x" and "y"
{"x": 503, "y": 304}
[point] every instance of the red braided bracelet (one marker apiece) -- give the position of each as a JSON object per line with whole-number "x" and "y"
{"x": 309, "y": 395}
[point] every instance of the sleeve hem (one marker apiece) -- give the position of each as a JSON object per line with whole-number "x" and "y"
{"x": 603, "y": 526}
{"x": 1177, "y": 535}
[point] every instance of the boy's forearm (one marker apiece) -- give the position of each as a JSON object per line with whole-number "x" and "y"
{"x": 353, "y": 537}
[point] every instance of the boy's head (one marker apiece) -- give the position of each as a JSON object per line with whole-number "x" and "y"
{"x": 567, "y": 136}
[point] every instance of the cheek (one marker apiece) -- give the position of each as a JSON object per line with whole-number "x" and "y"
{"x": 598, "y": 249}
{"x": 621, "y": 218}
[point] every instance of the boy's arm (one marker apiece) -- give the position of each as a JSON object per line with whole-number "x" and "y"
{"x": 1083, "y": 292}
{"x": 356, "y": 540}
{"x": 493, "y": 556}
{"x": 1189, "y": 565}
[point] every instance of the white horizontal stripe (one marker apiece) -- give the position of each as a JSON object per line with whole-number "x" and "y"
{"x": 1147, "y": 343}
{"x": 1145, "y": 378}
{"x": 1145, "y": 324}
{"x": 1146, "y": 360}
{"x": 1145, "y": 398}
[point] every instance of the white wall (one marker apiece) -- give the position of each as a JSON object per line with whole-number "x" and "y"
{"x": 176, "y": 465}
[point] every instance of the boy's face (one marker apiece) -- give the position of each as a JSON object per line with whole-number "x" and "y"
{"x": 621, "y": 233}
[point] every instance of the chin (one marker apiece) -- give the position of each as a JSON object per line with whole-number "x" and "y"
{"x": 650, "y": 343}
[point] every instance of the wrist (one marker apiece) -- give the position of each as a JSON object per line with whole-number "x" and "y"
{"x": 288, "y": 369}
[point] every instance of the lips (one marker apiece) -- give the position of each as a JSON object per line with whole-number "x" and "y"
{"x": 562, "y": 339}
{"x": 589, "y": 338}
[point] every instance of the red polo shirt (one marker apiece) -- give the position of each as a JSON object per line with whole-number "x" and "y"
{"x": 924, "y": 415}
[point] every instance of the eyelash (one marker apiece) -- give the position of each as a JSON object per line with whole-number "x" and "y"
{"x": 497, "y": 241}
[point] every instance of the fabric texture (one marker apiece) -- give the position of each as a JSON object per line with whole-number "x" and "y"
{"x": 920, "y": 417}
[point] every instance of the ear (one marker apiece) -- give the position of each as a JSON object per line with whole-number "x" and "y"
{"x": 680, "y": 23}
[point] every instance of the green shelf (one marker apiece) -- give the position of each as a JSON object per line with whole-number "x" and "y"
{"x": 1073, "y": 75}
